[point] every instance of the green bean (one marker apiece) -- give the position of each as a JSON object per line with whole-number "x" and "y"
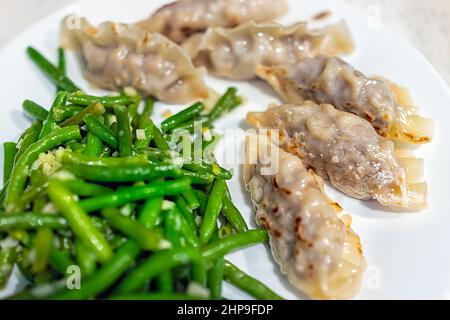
{"x": 226, "y": 245}
{"x": 130, "y": 194}
{"x": 61, "y": 113}
{"x": 84, "y": 100}
{"x": 192, "y": 125}
{"x": 199, "y": 273}
{"x": 225, "y": 103}
{"x": 172, "y": 228}
{"x": 114, "y": 128}
{"x": 156, "y": 155}
{"x": 85, "y": 259}
{"x": 187, "y": 114}
{"x": 215, "y": 278}
{"x": 150, "y": 211}
{"x": 248, "y": 284}
{"x": 212, "y": 211}
{"x": 60, "y": 260}
{"x": 7, "y": 259}
{"x": 3, "y": 193}
{"x": 20, "y": 172}
{"x": 96, "y": 109}
{"x": 225, "y": 230}
{"x": 232, "y": 214}
{"x": 50, "y": 123}
{"x": 124, "y": 131}
{"x": 30, "y": 221}
{"x": 42, "y": 247}
{"x": 79, "y": 221}
{"x": 106, "y": 275}
{"x": 178, "y": 232}
{"x": 156, "y": 264}
{"x": 100, "y": 130}
{"x": 79, "y": 159}
{"x": 51, "y": 71}
{"x": 186, "y": 212}
{"x": 85, "y": 189}
{"x": 29, "y": 137}
{"x": 148, "y": 110}
{"x": 132, "y": 111}
{"x": 9, "y": 153}
{"x": 94, "y": 145}
{"x": 209, "y": 168}
{"x": 191, "y": 199}
{"x": 188, "y": 231}
{"x": 147, "y": 128}
{"x": 126, "y": 174}
{"x": 34, "y": 110}
{"x": 165, "y": 282}
{"x": 145, "y": 238}
{"x": 198, "y": 177}
{"x": 155, "y": 296}
{"x": 202, "y": 199}
{"x": 159, "y": 140}
{"x": 61, "y": 61}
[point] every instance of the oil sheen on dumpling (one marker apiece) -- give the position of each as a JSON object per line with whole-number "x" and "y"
{"x": 345, "y": 149}
{"x": 235, "y": 53}
{"x": 181, "y": 19}
{"x": 116, "y": 56}
{"x": 325, "y": 79}
{"x": 317, "y": 250}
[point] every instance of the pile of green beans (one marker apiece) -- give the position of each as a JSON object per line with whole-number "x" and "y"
{"x": 95, "y": 184}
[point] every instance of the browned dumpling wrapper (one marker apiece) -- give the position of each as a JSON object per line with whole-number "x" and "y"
{"x": 346, "y": 149}
{"x": 324, "y": 79}
{"x": 235, "y": 53}
{"x": 316, "y": 249}
{"x": 181, "y": 19}
{"x": 117, "y": 56}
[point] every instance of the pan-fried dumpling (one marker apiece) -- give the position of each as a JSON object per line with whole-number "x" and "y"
{"x": 235, "y": 53}
{"x": 118, "y": 56}
{"x": 325, "y": 79}
{"x": 179, "y": 20}
{"x": 317, "y": 250}
{"x": 345, "y": 149}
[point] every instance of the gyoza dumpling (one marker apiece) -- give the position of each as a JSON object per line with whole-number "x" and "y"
{"x": 345, "y": 149}
{"x": 325, "y": 79}
{"x": 179, "y": 20}
{"x": 235, "y": 53}
{"x": 116, "y": 56}
{"x": 317, "y": 250}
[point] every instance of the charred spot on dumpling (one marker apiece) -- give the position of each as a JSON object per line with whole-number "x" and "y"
{"x": 277, "y": 233}
{"x": 275, "y": 183}
{"x": 188, "y": 31}
{"x": 145, "y": 39}
{"x": 336, "y": 206}
{"x": 369, "y": 117}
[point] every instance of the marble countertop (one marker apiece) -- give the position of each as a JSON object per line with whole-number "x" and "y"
{"x": 425, "y": 24}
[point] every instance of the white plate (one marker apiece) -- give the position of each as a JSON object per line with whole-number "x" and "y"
{"x": 408, "y": 254}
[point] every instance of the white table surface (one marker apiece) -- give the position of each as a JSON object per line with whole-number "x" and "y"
{"x": 425, "y": 24}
